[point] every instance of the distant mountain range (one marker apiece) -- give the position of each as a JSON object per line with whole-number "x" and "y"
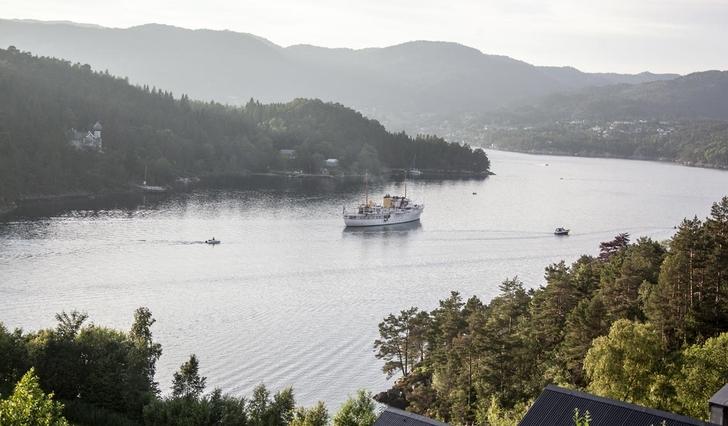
{"x": 408, "y": 86}
{"x": 696, "y": 96}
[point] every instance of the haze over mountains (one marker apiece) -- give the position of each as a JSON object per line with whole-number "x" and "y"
{"x": 412, "y": 85}
{"x": 696, "y": 96}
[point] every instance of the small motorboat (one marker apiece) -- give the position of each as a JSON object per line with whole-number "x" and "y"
{"x": 212, "y": 241}
{"x": 561, "y": 231}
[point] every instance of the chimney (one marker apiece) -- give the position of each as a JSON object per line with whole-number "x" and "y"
{"x": 719, "y": 407}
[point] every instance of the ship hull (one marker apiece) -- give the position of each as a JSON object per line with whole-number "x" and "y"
{"x": 383, "y": 218}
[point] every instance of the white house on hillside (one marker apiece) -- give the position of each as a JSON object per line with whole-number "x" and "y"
{"x": 88, "y": 140}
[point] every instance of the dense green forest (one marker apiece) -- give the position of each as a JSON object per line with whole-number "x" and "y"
{"x": 86, "y": 374}
{"x": 645, "y": 322}
{"x": 44, "y": 98}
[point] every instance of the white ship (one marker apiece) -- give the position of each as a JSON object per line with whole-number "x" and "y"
{"x": 393, "y": 210}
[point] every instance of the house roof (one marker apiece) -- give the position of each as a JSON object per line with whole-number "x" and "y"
{"x": 555, "y": 407}
{"x": 720, "y": 397}
{"x": 97, "y": 126}
{"x": 395, "y": 417}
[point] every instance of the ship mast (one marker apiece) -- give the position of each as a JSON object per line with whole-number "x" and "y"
{"x": 366, "y": 187}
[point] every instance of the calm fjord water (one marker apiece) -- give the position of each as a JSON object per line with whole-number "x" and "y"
{"x": 290, "y": 297}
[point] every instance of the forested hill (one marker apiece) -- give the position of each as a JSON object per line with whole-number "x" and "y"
{"x": 44, "y": 98}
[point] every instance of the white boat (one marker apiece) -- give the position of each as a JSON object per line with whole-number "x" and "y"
{"x": 414, "y": 171}
{"x": 393, "y": 210}
{"x": 149, "y": 188}
{"x": 561, "y": 231}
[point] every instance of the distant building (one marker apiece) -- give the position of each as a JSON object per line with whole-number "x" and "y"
{"x": 288, "y": 154}
{"x": 90, "y": 140}
{"x": 555, "y": 407}
{"x": 332, "y": 163}
{"x": 396, "y": 417}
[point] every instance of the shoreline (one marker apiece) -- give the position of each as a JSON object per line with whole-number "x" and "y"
{"x": 222, "y": 181}
{"x": 612, "y": 157}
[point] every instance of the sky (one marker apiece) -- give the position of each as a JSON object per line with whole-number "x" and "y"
{"x": 630, "y": 36}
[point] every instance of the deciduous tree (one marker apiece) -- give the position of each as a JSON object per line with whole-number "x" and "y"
{"x": 29, "y": 405}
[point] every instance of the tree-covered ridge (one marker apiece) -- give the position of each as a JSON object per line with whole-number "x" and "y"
{"x": 93, "y": 375}
{"x": 44, "y": 98}
{"x": 699, "y": 142}
{"x": 643, "y": 322}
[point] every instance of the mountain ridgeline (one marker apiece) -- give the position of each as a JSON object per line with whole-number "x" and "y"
{"x": 44, "y": 98}
{"x": 424, "y": 87}
{"x": 696, "y": 96}
{"x": 407, "y": 86}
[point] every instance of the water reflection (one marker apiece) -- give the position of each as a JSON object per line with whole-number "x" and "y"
{"x": 397, "y": 230}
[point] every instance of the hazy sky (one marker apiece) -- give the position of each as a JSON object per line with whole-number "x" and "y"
{"x": 593, "y": 35}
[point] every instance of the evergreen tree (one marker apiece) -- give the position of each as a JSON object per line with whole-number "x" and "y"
{"x": 402, "y": 341}
{"x": 317, "y": 415}
{"x": 678, "y": 305}
{"x": 356, "y": 411}
{"x": 585, "y": 323}
{"x": 187, "y": 382}
{"x": 142, "y": 361}
{"x": 637, "y": 265}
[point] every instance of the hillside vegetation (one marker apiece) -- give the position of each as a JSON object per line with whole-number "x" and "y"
{"x": 644, "y": 322}
{"x": 44, "y": 98}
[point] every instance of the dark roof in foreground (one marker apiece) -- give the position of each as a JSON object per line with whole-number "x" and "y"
{"x": 396, "y": 417}
{"x": 555, "y": 407}
{"x": 720, "y": 397}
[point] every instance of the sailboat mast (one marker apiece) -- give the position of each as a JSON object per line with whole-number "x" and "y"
{"x": 145, "y": 174}
{"x": 405, "y": 184}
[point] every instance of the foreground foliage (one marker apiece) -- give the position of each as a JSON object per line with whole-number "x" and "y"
{"x": 642, "y": 322}
{"x": 94, "y": 375}
{"x": 29, "y": 405}
{"x": 357, "y": 411}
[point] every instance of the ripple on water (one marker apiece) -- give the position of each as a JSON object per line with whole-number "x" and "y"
{"x": 289, "y": 297}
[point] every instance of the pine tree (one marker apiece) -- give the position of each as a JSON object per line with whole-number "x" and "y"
{"x": 187, "y": 382}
